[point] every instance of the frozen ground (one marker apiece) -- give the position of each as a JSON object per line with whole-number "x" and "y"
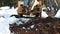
{"x": 6, "y": 20}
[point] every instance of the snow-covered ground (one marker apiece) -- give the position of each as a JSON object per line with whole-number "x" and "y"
{"x": 6, "y": 20}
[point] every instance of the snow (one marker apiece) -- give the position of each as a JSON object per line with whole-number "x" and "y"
{"x": 32, "y": 26}
{"x": 5, "y": 7}
{"x": 58, "y": 14}
{"x": 4, "y": 26}
{"x": 44, "y": 15}
{"x": 7, "y": 12}
{"x": 6, "y": 20}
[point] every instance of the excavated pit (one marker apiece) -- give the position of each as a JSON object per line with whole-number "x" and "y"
{"x": 37, "y": 26}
